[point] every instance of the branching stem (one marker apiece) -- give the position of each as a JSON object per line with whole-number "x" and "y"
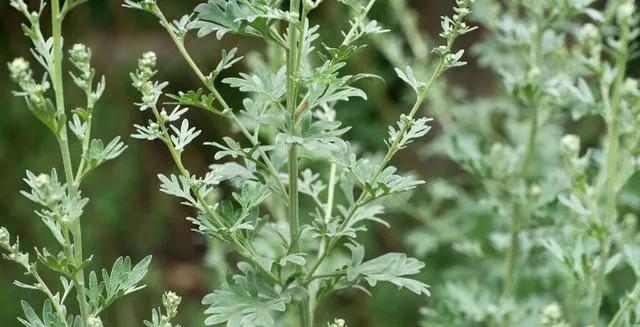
{"x": 63, "y": 141}
{"x": 227, "y": 109}
{"x": 612, "y": 104}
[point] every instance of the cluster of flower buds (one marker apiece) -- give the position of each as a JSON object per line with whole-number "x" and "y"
{"x": 151, "y": 91}
{"x": 456, "y": 26}
{"x": 626, "y": 12}
{"x": 570, "y": 146}
{"x": 5, "y": 238}
{"x": 337, "y": 323}
{"x": 452, "y": 28}
{"x": 46, "y": 190}
{"x": 21, "y": 73}
{"x": 81, "y": 58}
{"x": 95, "y": 322}
{"x": 13, "y": 250}
{"x": 171, "y": 301}
{"x": 552, "y": 316}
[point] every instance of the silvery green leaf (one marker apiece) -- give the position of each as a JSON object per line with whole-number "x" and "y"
{"x": 183, "y": 136}
{"x": 391, "y": 267}
{"x": 32, "y": 319}
{"x": 251, "y": 196}
{"x": 245, "y": 300}
{"x": 219, "y": 16}
{"x": 295, "y": 258}
{"x": 408, "y": 77}
{"x": 408, "y": 130}
{"x": 176, "y": 186}
{"x": 239, "y": 17}
{"x": 123, "y": 279}
{"x": 232, "y": 148}
{"x": 146, "y": 5}
{"x": 272, "y": 86}
{"x": 195, "y": 99}
{"x": 150, "y": 132}
{"x": 79, "y": 128}
{"x": 370, "y": 212}
{"x": 46, "y": 190}
{"x": 228, "y": 59}
{"x": 98, "y": 153}
{"x": 310, "y": 183}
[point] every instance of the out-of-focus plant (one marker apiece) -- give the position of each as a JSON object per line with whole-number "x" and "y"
{"x": 293, "y": 261}
{"x": 527, "y": 188}
{"x": 60, "y": 199}
{"x": 593, "y": 246}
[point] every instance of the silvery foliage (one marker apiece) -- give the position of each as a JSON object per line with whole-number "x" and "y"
{"x": 59, "y": 198}
{"x": 288, "y": 262}
{"x": 550, "y": 222}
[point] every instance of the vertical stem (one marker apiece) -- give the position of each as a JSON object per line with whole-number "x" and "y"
{"x": 291, "y": 107}
{"x": 63, "y": 142}
{"x": 519, "y": 211}
{"x": 294, "y": 60}
{"x": 628, "y": 303}
{"x": 610, "y": 190}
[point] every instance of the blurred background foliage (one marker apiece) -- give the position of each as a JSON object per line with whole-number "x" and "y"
{"x": 128, "y": 216}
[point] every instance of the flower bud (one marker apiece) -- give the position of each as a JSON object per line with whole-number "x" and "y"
{"x": 5, "y": 238}
{"x": 171, "y": 302}
{"x": 625, "y": 11}
{"x": 496, "y": 148}
{"x": 95, "y": 322}
{"x": 631, "y": 87}
{"x": 42, "y": 181}
{"x": 588, "y": 36}
{"x": 338, "y": 323}
{"x": 570, "y": 145}
{"x": 551, "y": 314}
{"x": 535, "y": 190}
{"x": 20, "y": 70}
{"x": 80, "y": 53}
{"x": 147, "y": 65}
{"x": 171, "y": 299}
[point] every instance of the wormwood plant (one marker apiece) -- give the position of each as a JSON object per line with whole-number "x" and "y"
{"x": 558, "y": 61}
{"x": 59, "y": 197}
{"x": 293, "y": 260}
{"x": 600, "y": 239}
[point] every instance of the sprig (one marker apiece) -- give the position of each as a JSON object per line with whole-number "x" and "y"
{"x": 295, "y": 100}
{"x": 60, "y": 198}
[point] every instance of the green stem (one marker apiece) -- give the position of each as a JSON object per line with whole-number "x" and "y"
{"x": 610, "y": 190}
{"x": 76, "y": 230}
{"x": 393, "y": 149}
{"x": 631, "y": 300}
{"x": 363, "y": 14}
{"x": 177, "y": 159}
{"x": 519, "y": 213}
{"x": 294, "y": 61}
{"x": 227, "y": 109}
{"x": 45, "y": 289}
